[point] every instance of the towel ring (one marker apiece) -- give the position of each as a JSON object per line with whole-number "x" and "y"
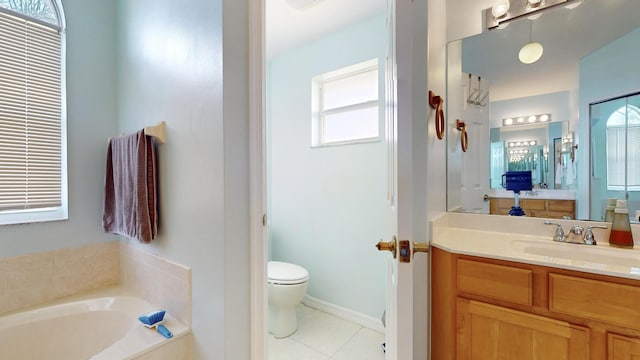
{"x": 464, "y": 137}
{"x": 436, "y": 103}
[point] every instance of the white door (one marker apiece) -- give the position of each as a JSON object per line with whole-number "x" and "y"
{"x": 476, "y": 161}
{"x": 399, "y": 312}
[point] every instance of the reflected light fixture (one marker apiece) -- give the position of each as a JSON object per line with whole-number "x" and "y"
{"x": 530, "y": 52}
{"x": 526, "y": 120}
{"x": 574, "y": 4}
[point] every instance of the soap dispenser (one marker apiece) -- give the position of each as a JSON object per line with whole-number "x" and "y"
{"x": 621, "y": 229}
{"x": 611, "y": 206}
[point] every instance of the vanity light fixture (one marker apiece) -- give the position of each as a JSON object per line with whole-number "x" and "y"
{"x": 503, "y": 11}
{"x": 526, "y": 120}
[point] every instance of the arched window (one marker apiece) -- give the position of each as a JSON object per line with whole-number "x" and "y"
{"x": 623, "y": 149}
{"x": 32, "y": 120}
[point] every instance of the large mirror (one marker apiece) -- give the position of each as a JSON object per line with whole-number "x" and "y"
{"x": 535, "y": 117}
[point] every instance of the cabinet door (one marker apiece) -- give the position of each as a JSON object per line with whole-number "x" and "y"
{"x": 492, "y": 332}
{"x": 622, "y": 348}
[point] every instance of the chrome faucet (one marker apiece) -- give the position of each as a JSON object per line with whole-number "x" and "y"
{"x": 559, "y": 235}
{"x": 577, "y": 234}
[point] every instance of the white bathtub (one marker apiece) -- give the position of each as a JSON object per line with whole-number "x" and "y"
{"x": 104, "y": 327}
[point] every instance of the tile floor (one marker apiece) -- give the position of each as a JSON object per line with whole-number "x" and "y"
{"x": 321, "y": 336}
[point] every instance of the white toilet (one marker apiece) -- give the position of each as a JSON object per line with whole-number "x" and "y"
{"x": 287, "y": 285}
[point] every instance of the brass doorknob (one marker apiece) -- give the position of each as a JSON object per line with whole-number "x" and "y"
{"x": 388, "y": 246}
{"x": 420, "y": 247}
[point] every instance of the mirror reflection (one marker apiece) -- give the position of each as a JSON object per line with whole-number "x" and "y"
{"x": 586, "y": 60}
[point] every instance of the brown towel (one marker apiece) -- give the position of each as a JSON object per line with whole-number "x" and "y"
{"x": 130, "y": 188}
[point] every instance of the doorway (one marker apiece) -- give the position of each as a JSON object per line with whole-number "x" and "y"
{"x": 326, "y": 201}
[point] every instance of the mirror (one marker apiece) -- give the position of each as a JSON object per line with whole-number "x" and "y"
{"x": 587, "y": 58}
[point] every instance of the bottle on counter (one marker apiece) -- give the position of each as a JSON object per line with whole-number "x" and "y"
{"x": 611, "y": 206}
{"x": 620, "y": 235}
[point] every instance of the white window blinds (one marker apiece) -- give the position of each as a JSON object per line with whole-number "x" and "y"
{"x": 30, "y": 115}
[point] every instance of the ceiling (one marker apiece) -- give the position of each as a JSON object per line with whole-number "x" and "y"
{"x": 567, "y": 36}
{"x": 288, "y": 28}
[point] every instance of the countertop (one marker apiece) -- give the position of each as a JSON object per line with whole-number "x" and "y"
{"x": 530, "y": 241}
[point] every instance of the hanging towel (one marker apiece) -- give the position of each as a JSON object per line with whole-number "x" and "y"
{"x": 130, "y": 188}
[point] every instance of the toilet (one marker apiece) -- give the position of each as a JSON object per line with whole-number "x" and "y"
{"x": 287, "y": 285}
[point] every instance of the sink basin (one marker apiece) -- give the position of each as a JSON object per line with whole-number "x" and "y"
{"x": 579, "y": 254}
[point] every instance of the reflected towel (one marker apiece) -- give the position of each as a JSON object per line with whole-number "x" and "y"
{"x": 570, "y": 175}
{"x": 130, "y": 188}
{"x": 559, "y": 174}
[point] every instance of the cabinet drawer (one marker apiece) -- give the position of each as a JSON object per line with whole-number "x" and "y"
{"x": 504, "y": 203}
{"x": 496, "y": 281}
{"x": 598, "y": 300}
{"x": 561, "y": 205}
{"x": 533, "y": 204}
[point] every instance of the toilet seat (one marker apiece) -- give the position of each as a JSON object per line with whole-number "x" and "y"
{"x": 282, "y": 273}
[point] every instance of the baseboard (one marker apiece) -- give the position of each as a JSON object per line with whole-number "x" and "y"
{"x": 344, "y": 313}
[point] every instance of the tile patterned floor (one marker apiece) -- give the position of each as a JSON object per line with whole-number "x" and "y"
{"x": 321, "y": 336}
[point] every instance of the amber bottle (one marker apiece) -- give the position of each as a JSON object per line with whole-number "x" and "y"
{"x": 621, "y": 229}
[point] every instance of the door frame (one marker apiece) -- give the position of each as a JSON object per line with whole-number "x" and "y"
{"x": 257, "y": 181}
{"x": 409, "y": 107}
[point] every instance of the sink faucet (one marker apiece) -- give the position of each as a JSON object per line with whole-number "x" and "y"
{"x": 577, "y": 234}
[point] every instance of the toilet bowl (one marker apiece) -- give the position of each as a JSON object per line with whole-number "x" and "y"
{"x": 287, "y": 285}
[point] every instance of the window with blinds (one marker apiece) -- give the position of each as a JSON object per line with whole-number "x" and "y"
{"x": 623, "y": 149}
{"x": 32, "y": 173}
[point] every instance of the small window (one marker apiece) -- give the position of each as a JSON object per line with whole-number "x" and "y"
{"x": 32, "y": 120}
{"x": 623, "y": 149}
{"x": 346, "y": 106}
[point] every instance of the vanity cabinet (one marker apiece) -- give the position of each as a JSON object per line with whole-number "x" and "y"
{"x": 494, "y": 309}
{"x": 623, "y": 347}
{"x": 493, "y": 332}
{"x": 546, "y": 208}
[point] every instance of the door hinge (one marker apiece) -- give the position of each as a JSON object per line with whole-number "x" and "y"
{"x": 264, "y": 219}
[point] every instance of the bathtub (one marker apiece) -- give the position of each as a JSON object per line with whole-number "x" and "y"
{"x": 102, "y": 327}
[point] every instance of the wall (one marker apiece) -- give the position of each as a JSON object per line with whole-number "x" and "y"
{"x": 90, "y": 80}
{"x": 608, "y": 72}
{"x": 327, "y": 204}
{"x": 181, "y": 63}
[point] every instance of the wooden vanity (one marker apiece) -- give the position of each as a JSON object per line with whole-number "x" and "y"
{"x": 547, "y": 208}
{"x": 484, "y": 308}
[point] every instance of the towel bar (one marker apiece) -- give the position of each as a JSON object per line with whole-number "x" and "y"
{"x": 157, "y": 131}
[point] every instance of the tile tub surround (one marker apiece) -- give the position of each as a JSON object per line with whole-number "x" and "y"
{"x": 158, "y": 280}
{"x": 38, "y": 278}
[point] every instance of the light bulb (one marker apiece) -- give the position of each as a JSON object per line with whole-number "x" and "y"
{"x": 532, "y": 118}
{"x": 500, "y": 8}
{"x": 535, "y": 3}
{"x": 508, "y": 121}
{"x": 544, "y": 117}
